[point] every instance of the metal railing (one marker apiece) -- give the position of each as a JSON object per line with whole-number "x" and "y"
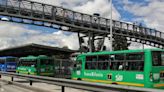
{"x": 98, "y": 87}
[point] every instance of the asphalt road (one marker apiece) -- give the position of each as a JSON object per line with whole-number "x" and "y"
{"x": 4, "y": 87}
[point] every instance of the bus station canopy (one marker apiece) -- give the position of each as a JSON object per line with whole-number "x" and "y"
{"x": 34, "y": 49}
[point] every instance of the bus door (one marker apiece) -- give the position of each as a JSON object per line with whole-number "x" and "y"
{"x": 78, "y": 68}
{"x": 157, "y": 73}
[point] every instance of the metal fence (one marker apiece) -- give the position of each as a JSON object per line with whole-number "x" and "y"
{"x": 63, "y": 68}
{"x": 80, "y": 84}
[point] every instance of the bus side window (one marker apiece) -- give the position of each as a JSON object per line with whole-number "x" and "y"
{"x": 75, "y": 65}
{"x": 156, "y": 58}
{"x": 120, "y": 67}
{"x": 103, "y": 65}
{"x": 112, "y": 57}
{"x": 117, "y": 61}
{"x": 103, "y": 62}
{"x": 114, "y": 66}
{"x": 93, "y": 65}
{"x": 100, "y": 65}
{"x": 135, "y": 62}
{"x": 91, "y": 62}
{"x": 88, "y": 65}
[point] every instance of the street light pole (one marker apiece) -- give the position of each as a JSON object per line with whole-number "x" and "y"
{"x": 111, "y": 32}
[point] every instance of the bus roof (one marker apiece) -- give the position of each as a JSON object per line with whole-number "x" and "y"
{"x": 120, "y": 51}
{"x": 35, "y": 57}
{"x": 4, "y": 57}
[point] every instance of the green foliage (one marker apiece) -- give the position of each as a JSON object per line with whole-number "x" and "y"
{"x": 120, "y": 43}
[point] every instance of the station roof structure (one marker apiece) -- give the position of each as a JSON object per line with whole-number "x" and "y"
{"x": 34, "y": 49}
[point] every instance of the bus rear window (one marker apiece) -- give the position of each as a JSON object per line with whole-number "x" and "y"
{"x": 158, "y": 58}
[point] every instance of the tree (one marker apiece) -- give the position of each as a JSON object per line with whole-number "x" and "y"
{"x": 120, "y": 43}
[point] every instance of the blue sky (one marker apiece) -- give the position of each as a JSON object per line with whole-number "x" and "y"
{"x": 125, "y": 14}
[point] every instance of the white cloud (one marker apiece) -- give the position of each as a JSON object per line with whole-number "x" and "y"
{"x": 151, "y": 14}
{"x": 15, "y": 34}
{"x": 135, "y": 45}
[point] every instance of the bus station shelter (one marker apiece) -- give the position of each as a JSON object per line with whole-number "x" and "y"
{"x": 35, "y": 49}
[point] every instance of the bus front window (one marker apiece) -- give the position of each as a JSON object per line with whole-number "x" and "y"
{"x": 28, "y": 63}
{"x": 158, "y": 58}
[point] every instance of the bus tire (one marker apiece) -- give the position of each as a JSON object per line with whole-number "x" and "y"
{"x": 114, "y": 83}
{"x": 79, "y": 79}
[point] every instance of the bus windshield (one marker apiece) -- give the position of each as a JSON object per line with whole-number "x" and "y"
{"x": 158, "y": 58}
{"x": 46, "y": 61}
{"x": 28, "y": 63}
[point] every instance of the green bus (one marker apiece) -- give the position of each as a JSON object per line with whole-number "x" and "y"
{"x": 142, "y": 68}
{"x": 36, "y": 65}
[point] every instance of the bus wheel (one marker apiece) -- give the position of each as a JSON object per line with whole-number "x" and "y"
{"x": 114, "y": 83}
{"x": 79, "y": 79}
